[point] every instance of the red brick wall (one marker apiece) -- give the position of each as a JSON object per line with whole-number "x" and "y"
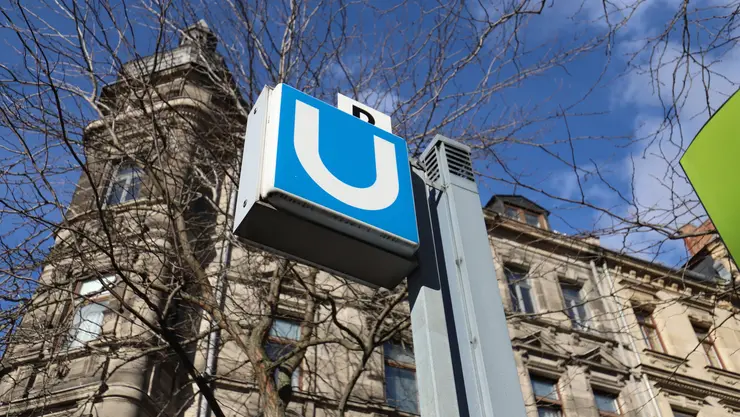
{"x": 696, "y": 243}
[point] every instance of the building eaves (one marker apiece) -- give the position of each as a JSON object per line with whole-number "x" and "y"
{"x": 655, "y": 269}
{"x": 519, "y": 201}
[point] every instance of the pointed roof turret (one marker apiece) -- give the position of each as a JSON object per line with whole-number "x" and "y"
{"x": 199, "y": 34}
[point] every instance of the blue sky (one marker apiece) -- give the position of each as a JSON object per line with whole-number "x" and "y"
{"x": 637, "y": 165}
{"x": 612, "y": 104}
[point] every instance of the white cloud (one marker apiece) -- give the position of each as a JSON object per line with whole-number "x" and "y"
{"x": 384, "y": 101}
{"x": 662, "y": 195}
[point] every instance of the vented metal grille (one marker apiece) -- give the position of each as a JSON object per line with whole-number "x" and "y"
{"x": 459, "y": 162}
{"x": 431, "y": 165}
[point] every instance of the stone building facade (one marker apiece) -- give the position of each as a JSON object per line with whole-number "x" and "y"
{"x": 609, "y": 333}
{"x": 595, "y": 332}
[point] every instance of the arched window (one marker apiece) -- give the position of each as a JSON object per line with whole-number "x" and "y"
{"x": 89, "y": 310}
{"x": 125, "y": 184}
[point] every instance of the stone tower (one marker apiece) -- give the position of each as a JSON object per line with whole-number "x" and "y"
{"x": 93, "y": 338}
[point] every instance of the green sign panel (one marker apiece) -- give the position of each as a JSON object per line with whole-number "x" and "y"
{"x": 712, "y": 164}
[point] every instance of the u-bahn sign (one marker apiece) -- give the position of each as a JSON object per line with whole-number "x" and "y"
{"x": 710, "y": 163}
{"x": 327, "y": 188}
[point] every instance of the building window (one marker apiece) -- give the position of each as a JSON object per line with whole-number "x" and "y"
{"x": 400, "y": 377}
{"x": 649, "y": 331}
{"x": 708, "y": 348}
{"x": 125, "y": 184}
{"x": 574, "y": 305}
{"x": 519, "y": 289}
{"x": 712, "y": 269}
{"x": 606, "y": 403}
{"x": 512, "y": 212}
{"x": 683, "y": 413}
{"x": 280, "y": 342}
{"x": 532, "y": 219}
{"x": 89, "y": 311}
{"x": 526, "y": 216}
{"x": 722, "y": 272}
{"x": 546, "y": 396}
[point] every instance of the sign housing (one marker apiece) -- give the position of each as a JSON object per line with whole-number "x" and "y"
{"x": 327, "y": 188}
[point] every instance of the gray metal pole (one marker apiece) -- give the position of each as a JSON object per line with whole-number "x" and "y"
{"x": 434, "y": 371}
{"x": 486, "y": 358}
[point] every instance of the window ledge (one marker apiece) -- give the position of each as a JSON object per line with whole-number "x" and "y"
{"x": 592, "y": 333}
{"x": 674, "y": 361}
{"x": 722, "y": 372}
{"x": 144, "y": 203}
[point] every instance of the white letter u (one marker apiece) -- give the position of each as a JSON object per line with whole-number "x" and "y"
{"x": 381, "y": 194}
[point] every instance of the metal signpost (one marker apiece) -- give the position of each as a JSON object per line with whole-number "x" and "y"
{"x": 313, "y": 173}
{"x": 711, "y": 165}
{"x": 487, "y": 364}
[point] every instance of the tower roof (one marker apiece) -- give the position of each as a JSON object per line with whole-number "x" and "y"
{"x": 199, "y": 34}
{"x": 517, "y": 200}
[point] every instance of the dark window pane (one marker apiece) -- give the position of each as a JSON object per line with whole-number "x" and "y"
{"x": 117, "y": 190}
{"x": 134, "y": 189}
{"x": 545, "y": 388}
{"x": 571, "y": 294}
{"x": 519, "y": 291}
{"x": 705, "y": 267}
{"x": 548, "y": 411}
{"x": 606, "y": 402}
{"x": 515, "y": 275}
{"x": 512, "y": 212}
{"x": 532, "y": 219}
{"x": 399, "y": 352}
{"x": 275, "y": 351}
{"x": 400, "y": 389}
{"x": 701, "y": 333}
{"x": 125, "y": 185}
{"x": 526, "y": 300}
{"x": 127, "y": 170}
{"x": 515, "y": 303}
{"x": 707, "y": 344}
{"x": 649, "y": 332}
{"x": 642, "y": 317}
{"x": 574, "y": 305}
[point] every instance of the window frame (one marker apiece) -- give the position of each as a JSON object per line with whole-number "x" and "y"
{"x": 114, "y": 179}
{"x": 598, "y": 391}
{"x": 719, "y": 267}
{"x": 580, "y": 323}
{"x": 649, "y": 324}
{"x": 521, "y": 215}
{"x": 406, "y": 366}
{"x": 683, "y": 413}
{"x": 296, "y": 381}
{"x": 515, "y": 294}
{"x": 545, "y": 402}
{"x": 99, "y": 297}
{"x": 708, "y": 344}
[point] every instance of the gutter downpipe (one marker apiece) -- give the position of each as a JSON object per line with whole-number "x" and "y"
{"x": 204, "y": 410}
{"x": 623, "y": 322}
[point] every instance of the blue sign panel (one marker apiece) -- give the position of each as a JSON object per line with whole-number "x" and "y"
{"x": 334, "y": 160}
